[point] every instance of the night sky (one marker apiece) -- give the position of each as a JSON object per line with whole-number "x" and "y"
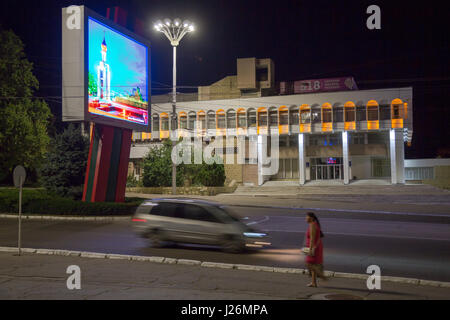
{"x": 305, "y": 39}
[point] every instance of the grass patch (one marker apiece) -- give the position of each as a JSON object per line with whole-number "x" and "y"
{"x": 41, "y": 201}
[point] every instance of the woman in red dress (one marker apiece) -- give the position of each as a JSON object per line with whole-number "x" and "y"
{"x": 314, "y": 259}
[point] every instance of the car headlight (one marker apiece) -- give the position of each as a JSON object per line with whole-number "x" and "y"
{"x": 254, "y": 234}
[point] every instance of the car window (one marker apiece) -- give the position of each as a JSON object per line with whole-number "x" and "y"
{"x": 166, "y": 209}
{"x": 195, "y": 212}
{"x": 178, "y": 211}
{"x": 145, "y": 208}
{"x": 156, "y": 210}
{"x": 222, "y": 214}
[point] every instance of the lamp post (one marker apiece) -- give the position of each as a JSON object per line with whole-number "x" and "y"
{"x": 174, "y": 31}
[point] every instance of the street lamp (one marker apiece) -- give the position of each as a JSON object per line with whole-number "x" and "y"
{"x": 174, "y": 31}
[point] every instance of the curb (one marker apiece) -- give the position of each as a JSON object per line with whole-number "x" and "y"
{"x": 66, "y": 218}
{"x": 218, "y": 265}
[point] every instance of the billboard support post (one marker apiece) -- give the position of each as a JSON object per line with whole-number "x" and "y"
{"x": 107, "y": 168}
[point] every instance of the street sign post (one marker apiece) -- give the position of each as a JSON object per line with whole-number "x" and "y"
{"x": 19, "y": 176}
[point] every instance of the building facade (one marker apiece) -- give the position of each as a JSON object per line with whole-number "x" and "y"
{"x": 347, "y": 135}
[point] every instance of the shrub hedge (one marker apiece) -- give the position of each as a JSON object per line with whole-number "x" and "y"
{"x": 40, "y": 201}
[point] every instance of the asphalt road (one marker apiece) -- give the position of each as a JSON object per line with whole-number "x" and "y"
{"x": 402, "y": 245}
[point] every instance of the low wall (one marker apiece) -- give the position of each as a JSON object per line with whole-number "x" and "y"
{"x": 440, "y": 183}
{"x": 441, "y": 177}
{"x": 200, "y": 191}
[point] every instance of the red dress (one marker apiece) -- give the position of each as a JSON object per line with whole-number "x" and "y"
{"x": 318, "y": 254}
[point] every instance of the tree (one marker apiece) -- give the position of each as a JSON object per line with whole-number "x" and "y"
{"x": 158, "y": 167}
{"x": 158, "y": 170}
{"x": 24, "y": 120}
{"x": 64, "y": 169}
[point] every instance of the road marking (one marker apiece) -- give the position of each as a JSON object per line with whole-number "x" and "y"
{"x": 266, "y": 218}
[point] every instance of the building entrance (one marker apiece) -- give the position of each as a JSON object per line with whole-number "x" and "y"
{"x": 327, "y": 169}
{"x": 287, "y": 169}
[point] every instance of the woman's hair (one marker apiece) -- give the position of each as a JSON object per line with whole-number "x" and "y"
{"x": 313, "y": 216}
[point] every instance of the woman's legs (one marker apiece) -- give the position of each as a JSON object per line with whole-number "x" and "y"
{"x": 314, "y": 278}
{"x": 320, "y": 273}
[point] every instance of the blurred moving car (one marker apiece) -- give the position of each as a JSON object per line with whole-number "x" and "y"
{"x": 194, "y": 221}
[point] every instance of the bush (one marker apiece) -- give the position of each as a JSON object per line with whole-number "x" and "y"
{"x": 158, "y": 167}
{"x": 210, "y": 175}
{"x": 132, "y": 182}
{"x": 41, "y": 201}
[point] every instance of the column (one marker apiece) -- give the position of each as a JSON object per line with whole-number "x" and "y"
{"x": 302, "y": 158}
{"x": 260, "y": 159}
{"x": 345, "y": 156}
{"x": 397, "y": 153}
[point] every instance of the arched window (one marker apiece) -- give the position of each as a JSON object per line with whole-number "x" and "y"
{"x": 231, "y": 119}
{"x": 384, "y": 111}
{"x": 174, "y": 122}
{"x": 262, "y": 117}
{"x": 220, "y": 119}
{"x": 327, "y": 113}
{"x": 273, "y": 117}
{"x": 192, "y": 117}
{"x": 361, "y": 112}
{"x": 164, "y": 121}
{"x": 398, "y": 113}
{"x": 305, "y": 114}
{"x": 242, "y": 118}
{"x": 305, "y": 118}
{"x": 211, "y": 119}
{"x": 372, "y": 115}
{"x": 338, "y": 113}
{"x": 164, "y": 132}
{"x": 349, "y": 116}
{"x": 283, "y": 115}
{"x": 251, "y": 118}
{"x": 155, "y": 122}
{"x": 283, "y": 120}
{"x": 262, "y": 120}
{"x": 349, "y": 111}
{"x": 316, "y": 114}
{"x": 372, "y": 110}
{"x": 182, "y": 116}
{"x": 327, "y": 117}
{"x": 201, "y": 122}
{"x": 397, "y": 109}
{"x": 293, "y": 116}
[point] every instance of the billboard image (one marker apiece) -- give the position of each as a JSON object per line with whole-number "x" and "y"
{"x": 117, "y": 75}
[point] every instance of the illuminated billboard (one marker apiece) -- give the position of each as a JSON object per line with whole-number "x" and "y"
{"x": 105, "y": 72}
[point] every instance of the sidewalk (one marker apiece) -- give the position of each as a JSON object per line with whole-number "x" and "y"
{"x": 35, "y": 276}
